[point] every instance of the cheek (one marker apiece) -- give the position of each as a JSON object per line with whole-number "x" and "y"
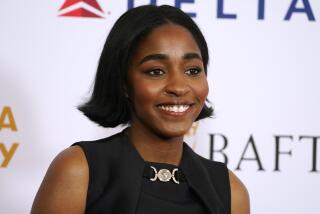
{"x": 144, "y": 93}
{"x": 202, "y": 90}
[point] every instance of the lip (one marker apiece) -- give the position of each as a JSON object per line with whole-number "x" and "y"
{"x": 176, "y": 102}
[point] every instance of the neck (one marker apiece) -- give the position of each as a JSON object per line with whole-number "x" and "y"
{"x": 153, "y": 148}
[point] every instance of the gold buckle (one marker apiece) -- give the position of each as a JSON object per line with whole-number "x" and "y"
{"x": 164, "y": 175}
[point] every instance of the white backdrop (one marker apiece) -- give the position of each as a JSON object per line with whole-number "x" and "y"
{"x": 264, "y": 83}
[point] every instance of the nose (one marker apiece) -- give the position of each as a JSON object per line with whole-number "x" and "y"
{"x": 177, "y": 85}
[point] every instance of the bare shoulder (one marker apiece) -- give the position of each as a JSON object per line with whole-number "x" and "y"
{"x": 64, "y": 187}
{"x": 240, "y": 202}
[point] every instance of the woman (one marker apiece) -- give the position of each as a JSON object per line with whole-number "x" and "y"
{"x": 152, "y": 76}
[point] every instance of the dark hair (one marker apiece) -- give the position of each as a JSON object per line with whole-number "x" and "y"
{"x": 108, "y": 105}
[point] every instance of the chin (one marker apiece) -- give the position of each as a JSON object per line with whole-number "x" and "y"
{"x": 172, "y": 131}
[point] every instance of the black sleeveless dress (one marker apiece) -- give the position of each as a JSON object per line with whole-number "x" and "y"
{"x": 159, "y": 197}
{"x": 117, "y": 184}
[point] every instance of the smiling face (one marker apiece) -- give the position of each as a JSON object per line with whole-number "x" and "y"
{"x": 166, "y": 82}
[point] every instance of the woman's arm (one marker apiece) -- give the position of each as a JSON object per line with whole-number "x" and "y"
{"x": 64, "y": 187}
{"x": 240, "y": 203}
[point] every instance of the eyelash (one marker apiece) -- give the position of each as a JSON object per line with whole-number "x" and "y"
{"x": 195, "y": 71}
{"x": 155, "y": 72}
{"x": 158, "y": 72}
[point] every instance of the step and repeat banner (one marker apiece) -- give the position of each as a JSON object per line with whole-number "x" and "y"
{"x": 264, "y": 77}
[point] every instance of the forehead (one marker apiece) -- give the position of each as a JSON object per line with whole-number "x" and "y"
{"x": 167, "y": 39}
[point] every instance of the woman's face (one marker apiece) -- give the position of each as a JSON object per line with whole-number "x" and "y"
{"x": 166, "y": 82}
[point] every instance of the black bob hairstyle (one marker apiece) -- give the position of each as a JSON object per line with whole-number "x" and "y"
{"x": 108, "y": 105}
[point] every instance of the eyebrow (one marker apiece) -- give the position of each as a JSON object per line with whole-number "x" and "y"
{"x": 154, "y": 57}
{"x": 189, "y": 56}
{"x": 186, "y": 56}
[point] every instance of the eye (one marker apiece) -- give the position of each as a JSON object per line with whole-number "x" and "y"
{"x": 155, "y": 72}
{"x": 193, "y": 71}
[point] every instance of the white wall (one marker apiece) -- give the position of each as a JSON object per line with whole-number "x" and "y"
{"x": 264, "y": 83}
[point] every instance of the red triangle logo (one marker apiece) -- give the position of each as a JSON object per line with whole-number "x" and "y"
{"x": 92, "y": 3}
{"x": 81, "y": 12}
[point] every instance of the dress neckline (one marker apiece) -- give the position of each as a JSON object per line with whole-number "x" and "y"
{"x": 126, "y": 134}
{"x": 164, "y": 165}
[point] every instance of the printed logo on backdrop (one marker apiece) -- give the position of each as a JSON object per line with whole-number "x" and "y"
{"x": 91, "y": 9}
{"x": 294, "y": 7}
{"x": 220, "y": 143}
{"x": 7, "y": 124}
{"x": 81, "y": 8}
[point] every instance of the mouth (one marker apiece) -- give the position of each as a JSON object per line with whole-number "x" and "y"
{"x": 178, "y": 109}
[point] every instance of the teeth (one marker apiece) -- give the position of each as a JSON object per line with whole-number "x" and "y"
{"x": 174, "y": 108}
